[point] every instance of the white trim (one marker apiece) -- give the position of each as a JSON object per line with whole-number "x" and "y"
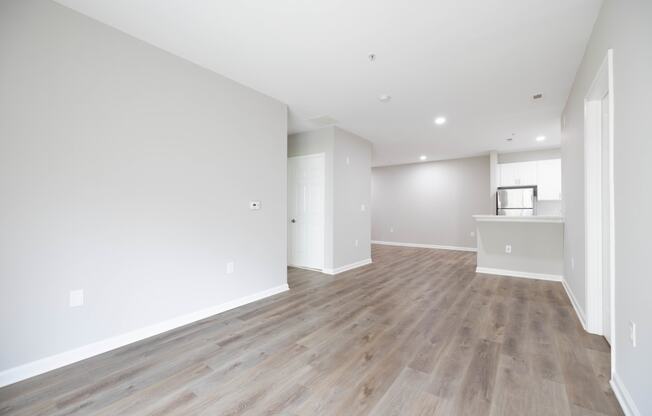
{"x": 514, "y": 273}
{"x": 34, "y": 368}
{"x": 624, "y": 398}
{"x": 578, "y": 309}
{"x": 347, "y": 267}
{"x": 312, "y": 269}
{"x": 602, "y": 84}
{"x": 530, "y": 218}
{"x": 418, "y": 245}
{"x": 593, "y": 216}
{"x": 612, "y": 215}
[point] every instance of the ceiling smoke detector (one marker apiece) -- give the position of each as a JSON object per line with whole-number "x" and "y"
{"x": 384, "y": 98}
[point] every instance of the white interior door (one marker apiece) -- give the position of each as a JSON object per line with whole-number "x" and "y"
{"x": 306, "y": 188}
{"x": 606, "y": 218}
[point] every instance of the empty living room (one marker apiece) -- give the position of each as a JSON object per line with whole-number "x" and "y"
{"x": 325, "y": 207}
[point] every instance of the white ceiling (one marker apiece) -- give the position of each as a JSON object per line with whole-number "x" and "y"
{"x": 477, "y": 62}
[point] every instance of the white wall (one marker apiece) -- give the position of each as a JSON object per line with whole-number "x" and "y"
{"x": 352, "y": 190}
{"x": 431, "y": 202}
{"x": 623, "y": 25}
{"x": 127, "y": 172}
{"x": 348, "y": 187}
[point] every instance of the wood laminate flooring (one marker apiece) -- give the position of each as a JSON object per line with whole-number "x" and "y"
{"x": 417, "y": 332}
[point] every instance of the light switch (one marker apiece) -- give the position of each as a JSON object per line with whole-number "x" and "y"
{"x": 76, "y": 298}
{"x": 632, "y": 333}
{"x": 363, "y": 208}
{"x": 230, "y": 266}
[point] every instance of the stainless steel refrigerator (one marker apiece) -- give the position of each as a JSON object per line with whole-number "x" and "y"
{"x": 516, "y": 200}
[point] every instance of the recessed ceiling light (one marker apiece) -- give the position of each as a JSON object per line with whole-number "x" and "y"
{"x": 384, "y": 98}
{"x": 540, "y": 138}
{"x": 440, "y": 120}
{"x": 423, "y": 157}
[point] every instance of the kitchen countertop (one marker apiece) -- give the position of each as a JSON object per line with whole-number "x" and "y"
{"x": 532, "y": 219}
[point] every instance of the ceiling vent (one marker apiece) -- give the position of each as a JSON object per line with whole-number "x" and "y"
{"x": 323, "y": 120}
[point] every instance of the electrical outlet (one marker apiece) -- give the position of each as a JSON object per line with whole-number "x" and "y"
{"x": 632, "y": 333}
{"x": 230, "y": 266}
{"x": 508, "y": 248}
{"x": 356, "y": 243}
{"x": 76, "y": 298}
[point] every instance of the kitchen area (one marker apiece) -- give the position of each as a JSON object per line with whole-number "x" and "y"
{"x": 524, "y": 237}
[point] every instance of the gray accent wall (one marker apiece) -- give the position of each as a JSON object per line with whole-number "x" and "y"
{"x": 623, "y": 25}
{"x": 352, "y": 186}
{"x": 348, "y": 188}
{"x": 127, "y": 172}
{"x": 430, "y": 202}
{"x": 537, "y": 248}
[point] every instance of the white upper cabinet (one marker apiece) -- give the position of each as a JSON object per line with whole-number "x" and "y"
{"x": 549, "y": 179}
{"x": 546, "y": 174}
{"x": 516, "y": 174}
{"x": 527, "y": 173}
{"x": 509, "y": 174}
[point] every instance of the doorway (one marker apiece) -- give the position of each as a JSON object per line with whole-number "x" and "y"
{"x": 306, "y": 210}
{"x": 599, "y": 202}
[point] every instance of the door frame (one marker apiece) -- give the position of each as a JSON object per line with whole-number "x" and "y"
{"x": 321, "y": 155}
{"x": 593, "y": 199}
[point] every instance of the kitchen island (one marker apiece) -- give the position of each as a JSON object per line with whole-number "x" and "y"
{"x": 528, "y": 246}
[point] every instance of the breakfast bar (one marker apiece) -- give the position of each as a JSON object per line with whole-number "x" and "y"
{"x": 521, "y": 246}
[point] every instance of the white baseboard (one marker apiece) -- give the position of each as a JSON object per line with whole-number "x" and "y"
{"x": 312, "y": 269}
{"x": 347, "y": 267}
{"x": 34, "y": 368}
{"x": 418, "y": 245}
{"x": 578, "y": 309}
{"x": 623, "y": 396}
{"x": 514, "y": 273}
